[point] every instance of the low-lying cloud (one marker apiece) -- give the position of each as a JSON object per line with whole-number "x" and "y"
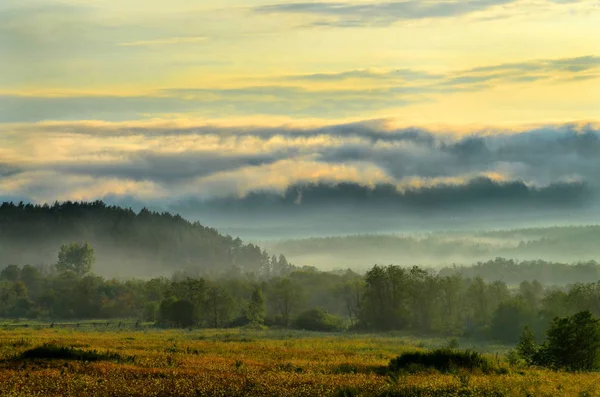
{"x": 163, "y": 165}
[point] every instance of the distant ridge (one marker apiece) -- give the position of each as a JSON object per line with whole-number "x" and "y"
{"x": 126, "y": 243}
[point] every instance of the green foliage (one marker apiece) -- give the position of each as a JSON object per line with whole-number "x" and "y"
{"x": 125, "y": 241}
{"x": 285, "y": 297}
{"x": 318, "y": 320}
{"x": 183, "y": 313}
{"x": 453, "y": 344}
{"x": 527, "y": 348}
{"x": 75, "y": 258}
{"x": 218, "y": 306}
{"x": 150, "y": 312}
{"x": 509, "y": 319}
{"x": 255, "y": 312}
{"x": 443, "y": 360}
{"x": 179, "y": 313}
{"x": 11, "y": 273}
{"x": 165, "y": 310}
{"x": 573, "y": 343}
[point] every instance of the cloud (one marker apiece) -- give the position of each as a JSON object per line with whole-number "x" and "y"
{"x": 211, "y": 103}
{"x": 402, "y": 74}
{"x": 164, "y": 41}
{"x": 353, "y": 14}
{"x": 299, "y": 95}
{"x": 167, "y": 164}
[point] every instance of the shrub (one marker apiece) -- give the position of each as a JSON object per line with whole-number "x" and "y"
{"x": 181, "y": 313}
{"x": 318, "y": 320}
{"x": 55, "y": 352}
{"x": 443, "y": 360}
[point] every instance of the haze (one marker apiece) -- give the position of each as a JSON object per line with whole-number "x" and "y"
{"x": 280, "y": 120}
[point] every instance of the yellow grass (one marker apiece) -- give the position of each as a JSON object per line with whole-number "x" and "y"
{"x": 249, "y": 363}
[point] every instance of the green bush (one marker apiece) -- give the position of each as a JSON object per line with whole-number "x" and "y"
{"x": 55, "y": 352}
{"x": 150, "y": 312}
{"x": 443, "y": 360}
{"x": 180, "y": 313}
{"x": 318, "y": 320}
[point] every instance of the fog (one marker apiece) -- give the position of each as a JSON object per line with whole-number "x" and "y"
{"x": 443, "y": 248}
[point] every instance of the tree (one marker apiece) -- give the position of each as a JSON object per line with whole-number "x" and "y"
{"x": 75, "y": 258}
{"x": 150, "y": 311}
{"x": 573, "y": 343}
{"x": 351, "y": 292}
{"x": 165, "y": 309}
{"x": 386, "y": 298}
{"x": 285, "y": 296}
{"x": 509, "y": 318}
{"x": 218, "y": 306}
{"x": 11, "y": 273}
{"x": 32, "y": 278}
{"x": 255, "y": 312}
{"x": 527, "y": 349}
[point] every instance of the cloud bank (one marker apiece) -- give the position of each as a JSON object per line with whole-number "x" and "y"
{"x": 350, "y": 170}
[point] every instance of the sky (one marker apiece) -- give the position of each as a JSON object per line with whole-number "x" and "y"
{"x": 184, "y": 103}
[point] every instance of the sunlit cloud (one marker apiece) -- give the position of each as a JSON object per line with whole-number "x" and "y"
{"x": 165, "y": 41}
{"x": 165, "y": 162}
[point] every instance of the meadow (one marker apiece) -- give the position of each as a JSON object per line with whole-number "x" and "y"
{"x": 243, "y": 362}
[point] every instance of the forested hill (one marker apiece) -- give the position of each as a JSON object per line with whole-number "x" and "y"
{"x": 126, "y": 243}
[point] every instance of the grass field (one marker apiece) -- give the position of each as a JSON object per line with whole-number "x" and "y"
{"x": 251, "y": 363}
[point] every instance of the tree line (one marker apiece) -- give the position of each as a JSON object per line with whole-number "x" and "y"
{"x": 513, "y": 272}
{"x": 385, "y": 298}
{"x": 126, "y": 242}
{"x": 558, "y": 244}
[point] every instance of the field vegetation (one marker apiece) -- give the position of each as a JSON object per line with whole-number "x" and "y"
{"x": 242, "y": 362}
{"x": 239, "y": 322}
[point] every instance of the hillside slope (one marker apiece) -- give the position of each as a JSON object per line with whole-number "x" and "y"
{"x": 126, "y": 243}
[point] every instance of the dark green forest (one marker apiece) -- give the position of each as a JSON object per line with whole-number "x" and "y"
{"x": 127, "y": 243}
{"x": 386, "y": 298}
{"x": 218, "y": 281}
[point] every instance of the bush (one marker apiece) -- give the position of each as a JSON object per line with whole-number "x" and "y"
{"x": 318, "y": 320}
{"x": 181, "y": 313}
{"x": 443, "y": 360}
{"x": 55, "y": 352}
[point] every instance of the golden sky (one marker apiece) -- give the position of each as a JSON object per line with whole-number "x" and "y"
{"x": 416, "y": 61}
{"x": 166, "y": 101}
